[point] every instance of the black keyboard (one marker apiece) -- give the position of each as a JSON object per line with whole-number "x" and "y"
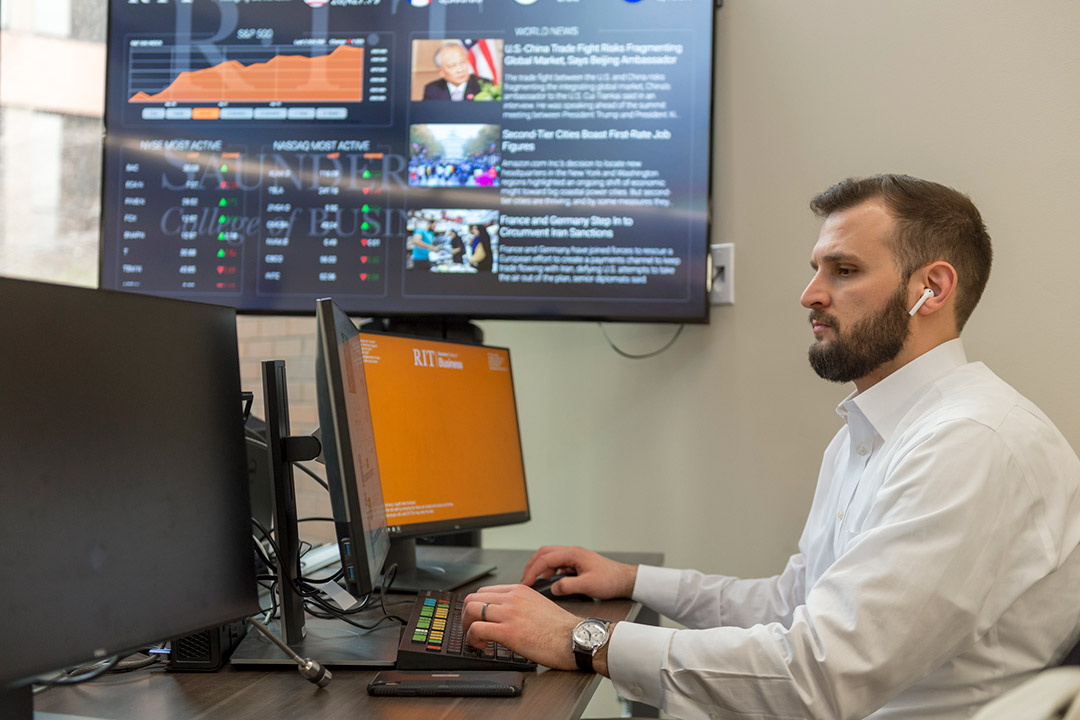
{"x": 433, "y": 639}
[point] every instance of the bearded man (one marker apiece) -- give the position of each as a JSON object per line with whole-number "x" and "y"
{"x": 938, "y": 566}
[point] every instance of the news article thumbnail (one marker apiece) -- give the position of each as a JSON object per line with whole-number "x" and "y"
{"x": 454, "y": 155}
{"x": 455, "y": 70}
{"x": 452, "y": 241}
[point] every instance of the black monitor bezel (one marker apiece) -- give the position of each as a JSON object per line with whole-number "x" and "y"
{"x": 178, "y": 326}
{"x": 363, "y": 550}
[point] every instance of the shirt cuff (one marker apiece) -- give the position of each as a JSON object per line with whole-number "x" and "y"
{"x": 636, "y": 654}
{"x": 657, "y": 588}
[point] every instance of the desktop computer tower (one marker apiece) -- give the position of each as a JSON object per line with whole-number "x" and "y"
{"x": 206, "y": 651}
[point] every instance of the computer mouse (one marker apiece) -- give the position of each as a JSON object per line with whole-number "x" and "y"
{"x": 543, "y": 586}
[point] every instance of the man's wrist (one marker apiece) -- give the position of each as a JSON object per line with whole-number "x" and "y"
{"x": 631, "y": 580}
{"x": 600, "y": 659}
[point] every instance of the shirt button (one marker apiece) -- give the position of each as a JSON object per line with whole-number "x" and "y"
{"x": 637, "y": 692}
{"x": 861, "y": 450}
{"x": 840, "y": 515}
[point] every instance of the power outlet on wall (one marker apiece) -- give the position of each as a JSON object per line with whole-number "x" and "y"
{"x": 722, "y": 274}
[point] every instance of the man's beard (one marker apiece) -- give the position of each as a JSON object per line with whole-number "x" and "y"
{"x": 871, "y": 342}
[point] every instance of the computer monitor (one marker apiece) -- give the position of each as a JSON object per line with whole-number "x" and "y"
{"x": 349, "y": 449}
{"x": 124, "y": 493}
{"x": 445, "y": 449}
{"x": 449, "y": 446}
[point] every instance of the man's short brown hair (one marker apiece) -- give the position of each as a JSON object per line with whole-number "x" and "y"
{"x": 933, "y": 222}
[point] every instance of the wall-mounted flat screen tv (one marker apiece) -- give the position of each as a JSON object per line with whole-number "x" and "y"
{"x": 471, "y": 158}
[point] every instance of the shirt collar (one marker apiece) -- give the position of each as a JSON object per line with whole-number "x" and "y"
{"x": 886, "y": 403}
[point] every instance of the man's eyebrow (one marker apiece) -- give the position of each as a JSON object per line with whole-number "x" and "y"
{"x": 836, "y": 258}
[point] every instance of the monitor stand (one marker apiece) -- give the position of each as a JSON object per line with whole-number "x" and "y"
{"x": 333, "y": 643}
{"x": 412, "y": 576}
{"x": 328, "y": 641}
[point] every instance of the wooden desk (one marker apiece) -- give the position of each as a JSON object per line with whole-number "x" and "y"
{"x": 280, "y": 693}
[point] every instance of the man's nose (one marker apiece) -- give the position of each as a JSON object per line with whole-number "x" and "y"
{"x": 814, "y": 295}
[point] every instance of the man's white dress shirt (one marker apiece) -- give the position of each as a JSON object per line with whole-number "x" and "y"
{"x": 937, "y": 569}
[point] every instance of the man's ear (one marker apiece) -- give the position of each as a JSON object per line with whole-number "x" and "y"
{"x": 940, "y": 277}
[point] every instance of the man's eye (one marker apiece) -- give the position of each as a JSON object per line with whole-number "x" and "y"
{"x": 845, "y": 272}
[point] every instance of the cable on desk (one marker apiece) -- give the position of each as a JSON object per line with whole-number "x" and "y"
{"x": 89, "y": 671}
{"x": 261, "y": 552}
{"x": 76, "y": 675}
{"x": 130, "y": 665}
{"x": 271, "y": 613}
{"x": 326, "y": 611}
{"x": 312, "y": 595}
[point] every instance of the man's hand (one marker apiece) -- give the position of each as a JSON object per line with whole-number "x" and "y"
{"x": 524, "y": 621}
{"x": 596, "y": 575}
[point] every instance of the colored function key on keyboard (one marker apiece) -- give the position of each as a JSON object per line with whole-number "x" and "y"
{"x": 430, "y": 628}
{"x": 435, "y": 639}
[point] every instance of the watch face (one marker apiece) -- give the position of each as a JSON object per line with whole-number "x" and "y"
{"x": 590, "y": 633}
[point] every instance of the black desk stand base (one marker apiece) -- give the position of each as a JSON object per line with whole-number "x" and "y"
{"x": 438, "y": 576}
{"x": 331, "y": 642}
{"x": 412, "y": 575}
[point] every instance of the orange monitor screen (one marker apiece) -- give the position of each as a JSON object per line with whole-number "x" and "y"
{"x": 446, "y": 433}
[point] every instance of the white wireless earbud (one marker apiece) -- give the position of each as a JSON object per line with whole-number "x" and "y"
{"x": 926, "y": 295}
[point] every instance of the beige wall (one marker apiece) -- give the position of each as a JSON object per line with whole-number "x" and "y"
{"x": 709, "y": 452}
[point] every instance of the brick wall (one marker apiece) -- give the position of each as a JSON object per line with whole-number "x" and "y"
{"x": 291, "y": 339}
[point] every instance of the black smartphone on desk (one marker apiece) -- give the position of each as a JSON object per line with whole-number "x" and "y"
{"x": 447, "y": 683}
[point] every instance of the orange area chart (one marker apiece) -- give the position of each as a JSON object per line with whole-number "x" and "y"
{"x": 337, "y": 77}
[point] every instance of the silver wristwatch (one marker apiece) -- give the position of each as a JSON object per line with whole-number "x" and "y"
{"x": 588, "y": 637}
